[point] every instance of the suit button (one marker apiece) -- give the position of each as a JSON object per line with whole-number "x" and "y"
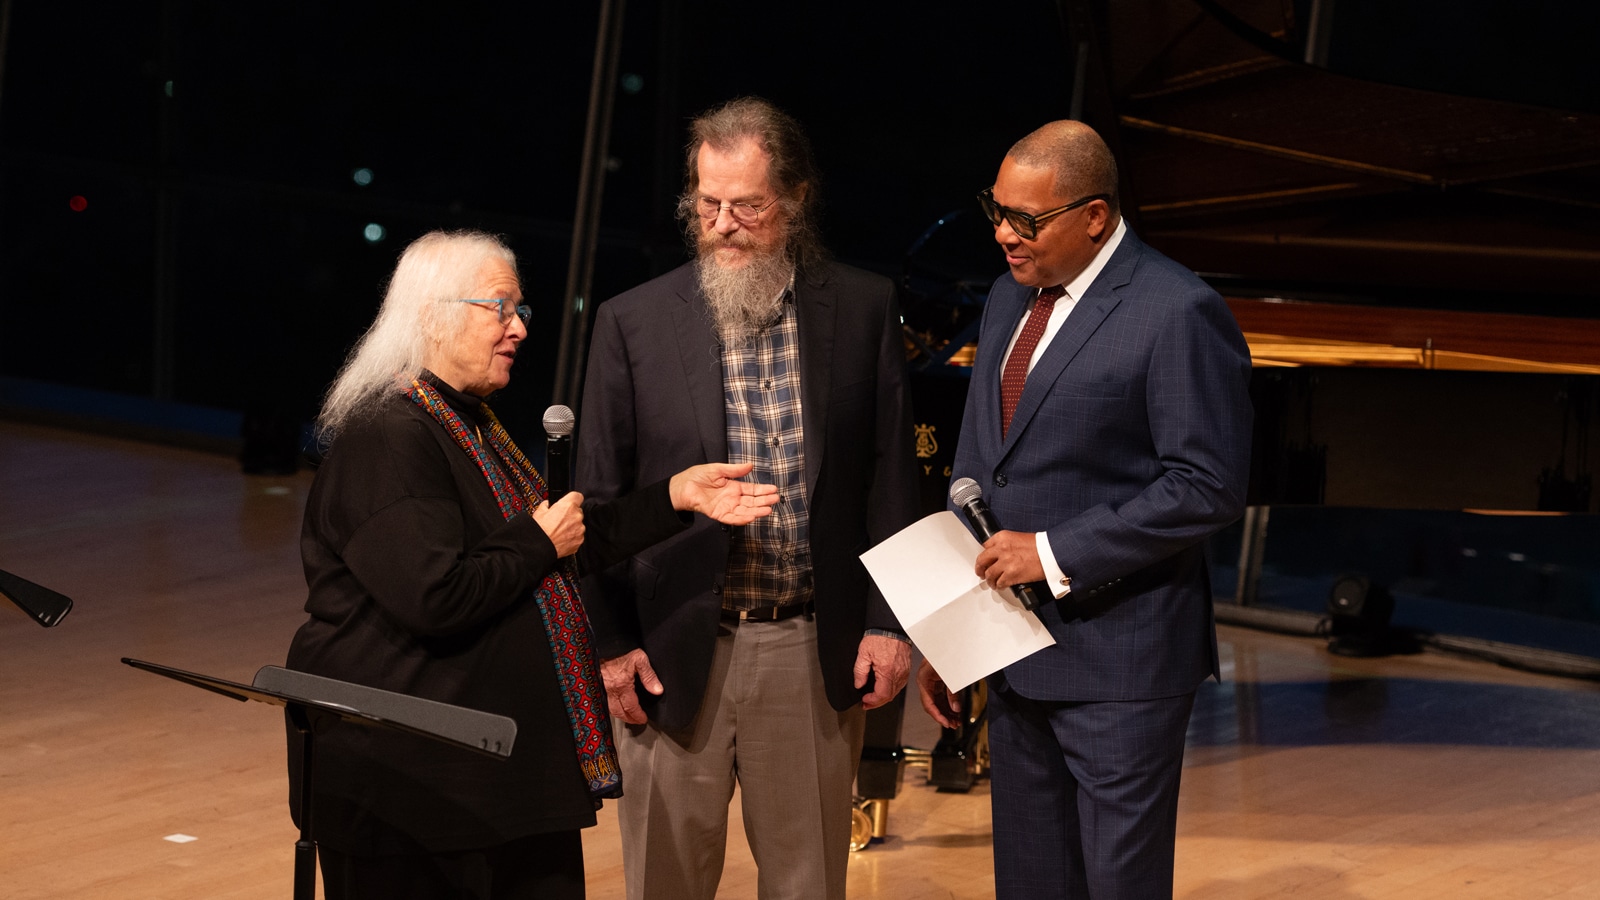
{"x": 727, "y": 528}
{"x": 999, "y": 480}
{"x": 716, "y": 589}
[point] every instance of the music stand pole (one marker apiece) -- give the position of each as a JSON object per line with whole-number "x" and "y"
{"x": 300, "y": 693}
{"x": 305, "y": 849}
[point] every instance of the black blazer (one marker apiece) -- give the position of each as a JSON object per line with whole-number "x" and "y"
{"x": 653, "y": 404}
{"x": 419, "y": 585}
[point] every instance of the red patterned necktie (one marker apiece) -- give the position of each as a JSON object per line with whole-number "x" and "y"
{"x": 1016, "y": 370}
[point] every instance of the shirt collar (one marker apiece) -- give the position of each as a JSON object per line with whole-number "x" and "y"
{"x": 1077, "y": 287}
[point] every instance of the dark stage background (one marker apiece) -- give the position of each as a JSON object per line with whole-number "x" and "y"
{"x": 221, "y": 255}
{"x": 239, "y": 131}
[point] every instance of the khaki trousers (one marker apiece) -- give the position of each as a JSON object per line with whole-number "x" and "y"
{"x": 765, "y": 724}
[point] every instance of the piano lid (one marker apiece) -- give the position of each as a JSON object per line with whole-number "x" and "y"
{"x": 1263, "y": 172}
{"x": 1285, "y": 333}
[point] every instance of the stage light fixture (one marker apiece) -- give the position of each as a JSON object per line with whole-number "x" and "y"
{"x": 1358, "y": 612}
{"x": 373, "y": 232}
{"x": 362, "y": 176}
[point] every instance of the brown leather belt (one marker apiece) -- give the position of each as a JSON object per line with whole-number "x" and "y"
{"x": 768, "y": 613}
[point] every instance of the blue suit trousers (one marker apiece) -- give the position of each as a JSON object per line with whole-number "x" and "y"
{"x": 1085, "y": 796}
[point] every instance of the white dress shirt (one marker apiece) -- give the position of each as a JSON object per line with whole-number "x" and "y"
{"x": 1075, "y": 289}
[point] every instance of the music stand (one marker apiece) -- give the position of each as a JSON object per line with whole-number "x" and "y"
{"x": 41, "y": 604}
{"x": 299, "y": 693}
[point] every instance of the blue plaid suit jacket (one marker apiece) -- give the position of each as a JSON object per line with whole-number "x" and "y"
{"x": 1130, "y": 446}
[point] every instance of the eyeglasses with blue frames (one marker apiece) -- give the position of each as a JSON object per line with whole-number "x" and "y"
{"x": 505, "y": 309}
{"x": 743, "y": 213}
{"x": 1026, "y": 225}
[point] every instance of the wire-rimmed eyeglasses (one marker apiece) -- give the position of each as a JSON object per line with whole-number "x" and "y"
{"x": 1026, "y": 225}
{"x": 504, "y": 311}
{"x": 743, "y": 213}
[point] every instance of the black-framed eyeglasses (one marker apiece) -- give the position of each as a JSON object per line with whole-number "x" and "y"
{"x": 504, "y": 312}
{"x": 743, "y": 213}
{"x": 1026, "y": 225}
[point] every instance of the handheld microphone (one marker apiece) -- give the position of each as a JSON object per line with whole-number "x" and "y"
{"x": 558, "y": 422}
{"x": 967, "y": 495}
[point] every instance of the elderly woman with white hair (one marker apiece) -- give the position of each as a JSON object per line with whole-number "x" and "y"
{"x": 437, "y": 569}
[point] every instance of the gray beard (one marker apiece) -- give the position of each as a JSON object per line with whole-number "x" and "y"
{"x": 745, "y": 300}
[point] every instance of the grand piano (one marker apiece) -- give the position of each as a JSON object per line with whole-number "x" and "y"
{"x": 1417, "y": 273}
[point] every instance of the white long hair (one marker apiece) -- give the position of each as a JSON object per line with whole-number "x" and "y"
{"x": 440, "y": 265}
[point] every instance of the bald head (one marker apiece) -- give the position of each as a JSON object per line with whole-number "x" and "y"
{"x": 1054, "y": 203}
{"x": 1081, "y": 161}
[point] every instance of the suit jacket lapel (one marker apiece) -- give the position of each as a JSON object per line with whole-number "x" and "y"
{"x": 702, "y": 372}
{"x": 815, "y": 313}
{"x": 1092, "y": 309}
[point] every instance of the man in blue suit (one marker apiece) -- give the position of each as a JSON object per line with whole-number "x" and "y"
{"x": 1108, "y": 424}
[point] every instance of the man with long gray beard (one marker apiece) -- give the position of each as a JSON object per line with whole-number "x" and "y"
{"x": 746, "y": 655}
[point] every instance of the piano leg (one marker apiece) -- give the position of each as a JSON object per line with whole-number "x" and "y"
{"x": 883, "y": 760}
{"x": 959, "y": 759}
{"x": 962, "y": 755}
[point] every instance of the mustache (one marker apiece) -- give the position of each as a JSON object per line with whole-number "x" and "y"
{"x": 710, "y": 242}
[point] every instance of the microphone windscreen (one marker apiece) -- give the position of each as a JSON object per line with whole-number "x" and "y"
{"x": 964, "y": 491}
{"x": 558, "y": 421}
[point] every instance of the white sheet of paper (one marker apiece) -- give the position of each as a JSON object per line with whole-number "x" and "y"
{"x": 964, "y": 628}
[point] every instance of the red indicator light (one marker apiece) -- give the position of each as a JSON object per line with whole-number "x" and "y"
{"x": 78, "y": 203}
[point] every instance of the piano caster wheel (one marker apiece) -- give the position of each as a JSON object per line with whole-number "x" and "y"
{"x": 869, "y": 819}
{"x": 860, "y": 829}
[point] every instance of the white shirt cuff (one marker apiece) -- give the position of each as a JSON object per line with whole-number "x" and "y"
{"x": 1053, "y": 575}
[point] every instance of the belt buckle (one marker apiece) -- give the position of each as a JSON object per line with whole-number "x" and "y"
{"x": 768, "y": 613}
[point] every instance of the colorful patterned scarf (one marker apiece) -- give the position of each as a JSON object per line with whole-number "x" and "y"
{"x": 565, "y": 622}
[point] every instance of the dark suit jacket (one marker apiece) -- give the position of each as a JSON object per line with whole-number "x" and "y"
{"x": 420, "y": 585}
{"x": 1130, "y": 446}
{"x": 653, "y": 405}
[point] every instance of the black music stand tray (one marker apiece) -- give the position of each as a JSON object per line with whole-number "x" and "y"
{"x": 41, "y": 604}
{"x": 299, "y": 693}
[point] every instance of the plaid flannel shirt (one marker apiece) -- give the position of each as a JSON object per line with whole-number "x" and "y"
{"x": 770, "y": 563}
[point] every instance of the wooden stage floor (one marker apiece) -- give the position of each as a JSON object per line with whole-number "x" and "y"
{"x": 1407, "y": 777}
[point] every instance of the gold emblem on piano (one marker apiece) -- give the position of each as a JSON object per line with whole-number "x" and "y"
{"x": 926, "y": 445}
